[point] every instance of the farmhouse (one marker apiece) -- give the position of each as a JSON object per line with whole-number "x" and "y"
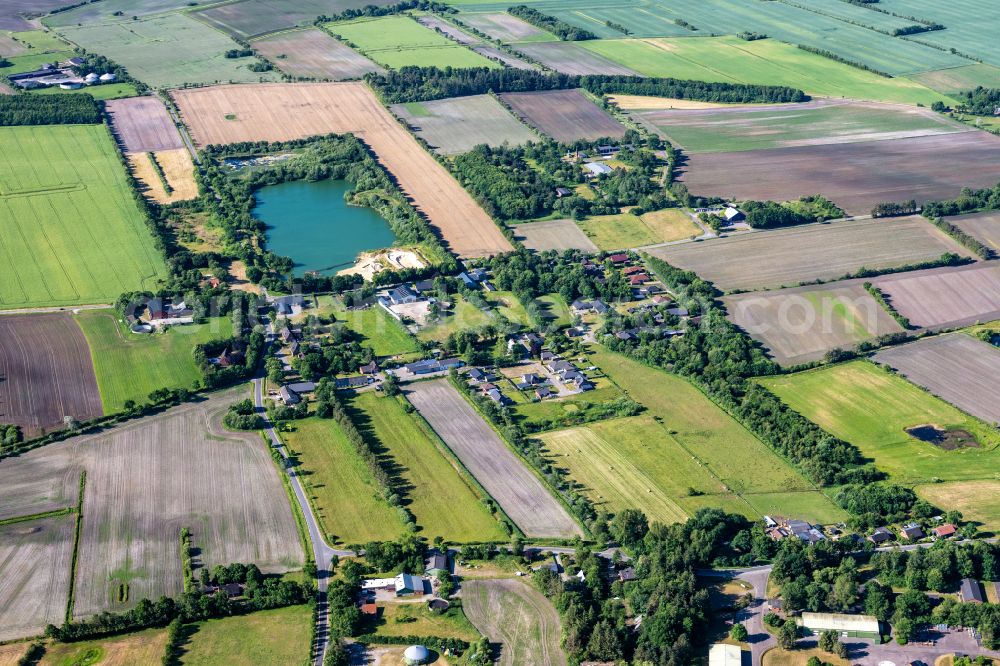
{"x": 563, "y": 192}
{"x": 289, "y": 305}
{"x": 881, "y": 535}
{"x": 289, "y": 396}
{"x": 911, "y": 532}
{"x": 732, "y": 214}
{"x": 854, "y": 626}
{"x": 723, "y": 654}
{"x": 402, "y": 294}
{"x": 944, "y": 531}
{"x": 343, "y": 383}
{"x": 435, "y": 563}
{"x": 971, "y": 591}
{"x": 406, "y": 584}
{"x": 369, "y": 368}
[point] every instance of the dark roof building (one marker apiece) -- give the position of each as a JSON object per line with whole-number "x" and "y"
{"x": 403, "y": 294}
{"x": 912, "y": 532}
{"x": 971, "y": 591}
{"x": 881, "y": 535}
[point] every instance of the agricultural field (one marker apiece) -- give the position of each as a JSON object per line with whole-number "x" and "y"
{"x": 35, "y": 561}
{"x": 398, "y": 41}
{"x": 11, "y": 653}
{"x": 734, "y": 469}
{"x": 967, "y": 26}
{"x": 75, "y": 234}
{"x": 45, "y": 373}
{"x": 522, "y": 496}
{"x": 250, "y": 18}
{"x": 873, "y": 409}
{"x": 345, "y": 497}
{"x": 946, "y": 298}
{"x": 802, "y": 324}
{"x": 504, "y": 27}
{"x": 765, "y": 61}
{"x": 978, "y": 501}
{"x": 518, "y": 617}
{"x": 105, "y": 11}
{"x": 616, "y": 232}
{"x": 856, "y": 176}
{"x": 221, "y": 485}
{"x": 985, "y": 227}
{"x": 457, "y": 125}
{"x": 436, "y": 23}
{"x": 313, "y": 53}
{"x": 167, "y": 50}
{"x": 755, "y": 127}
{"x": 572, "y": 58}
{"x": 280, "y": 112}
{"x": 955, "y": 367}
{"x": 564, "y": 115}
{"x": 178, "y": 170}
{"x": 130, "y": 366}
{"x": 382, "y": 333}
{"x": 553, "y": 235}
{"x": 143, "y": 647}
{"x": 959, "y": 79}
{"x": 143, "y": 124}
{"x": 434, "y": 486}
{"x": 279, "y": 636}
{"x": 16, "y": 14}
{"x": 786, "y": 257}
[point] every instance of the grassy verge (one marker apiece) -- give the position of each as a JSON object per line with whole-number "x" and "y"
{"x": 76, "y": 547}
{"x": 37, "y": 516}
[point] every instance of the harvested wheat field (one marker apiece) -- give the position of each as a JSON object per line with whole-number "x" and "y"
{"x": 505, "y": 477}
{"x": 142, "y": 124}
{"x": 148, "y": 479}
{"x": 856, "y": 176}
{"x": 518, "y": 617}
{"x": 139, "y": 649}
{"x": 46, "y": 373}
{"x": 279, "y": 112}
{"x": 11, "y": 653}
{"x": 802, "y": 324}
{"x": 553, "y": 235}
{"x": 644, "y": 103}
{"x": 564, "y": 115}
{"x": 790, "y": 256}
{"x": 313, "y": 53}
{"x": 178, "y": 169}
{"x": 955, "y": 367}
{"x": 946, "y": 297}
{"x": 34, "y": 574}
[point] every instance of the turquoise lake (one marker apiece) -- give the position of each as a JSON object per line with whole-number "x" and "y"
{"x": 311, "y": 223}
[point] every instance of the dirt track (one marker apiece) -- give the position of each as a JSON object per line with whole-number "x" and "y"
{"x": 279, "y": 112}
{"x": 45, "y": 372}
{"x": 519, "y": 492}
{"x": 518, "y": 617}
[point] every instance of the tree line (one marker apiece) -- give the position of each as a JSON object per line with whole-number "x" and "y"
{"x": 419, "y": 84}
{"x": 67, "y": 109}
{"x": 372, "y": 10}
{"x": 980, "y": 101}
{"x": 558, "y": 27}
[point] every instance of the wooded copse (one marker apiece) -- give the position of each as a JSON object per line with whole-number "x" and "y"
{"x": 67, "y": 109}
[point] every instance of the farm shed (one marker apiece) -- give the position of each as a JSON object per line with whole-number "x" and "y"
{"x": 854, "y": 626}
{"x": 597, "y": 169}
{"x": 722, "y": 654}
{"x": 971, "y": 591}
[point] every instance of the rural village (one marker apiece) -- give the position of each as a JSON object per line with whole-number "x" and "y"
{"x": 465, "y": 332}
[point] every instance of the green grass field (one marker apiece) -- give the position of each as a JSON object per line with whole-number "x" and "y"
{"x": 507, "y": 304}
{"x": 398, "y": 41}
{"x": 38, "y": 41}
{"x": 383, "y": 334}
{"x": 959, "y": 79}
{"x": 107, "y": 91}
{"x": 346, "y": 498}
{"x": 753, "y": 129}
{"x": 616, "y": 232}
{"x": 280, "y": 636}
{"x": 419, "y": 620}
{"x": 870, "y": 407}
{"x": 130, "y": 366}
{"x": 552, "y": 410}
{"x": 979, "y": 501}
{"x": 769, "y": 62}
{"x": 72, "y": 232}
{"x": 32, "y": 61}
{"x": 434, "y": 487}
{"x": 462, "y": 316}
{"x": 167, "y": 50}
{"x": 739, "y": 463}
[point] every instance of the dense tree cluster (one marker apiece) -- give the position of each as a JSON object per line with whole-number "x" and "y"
{"x": 980, "y": 102}
{"x": 10, "y": 436}
{"x": 387, "y": 10}
{"x": 558, "y": 27}
{"x": 768, "y": 214}
{"x": 260, "y": 593}
{"x": 242, "y": 415}
{"x": 418, "y": 84}
{"x": 970, "y": 200}
{"x": 530, "y": 275}
{"x": 721, "y": 360}
{"x": 893, "y": 209}
{"x": 68, "y": 109}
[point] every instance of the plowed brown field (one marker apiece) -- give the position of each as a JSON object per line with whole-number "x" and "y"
{"x": 280, "y": 112}
{"x": 142, "y": 124}
{"x": 45, "y": 372}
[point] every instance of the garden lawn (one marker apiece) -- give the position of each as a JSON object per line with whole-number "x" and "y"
{"x": 443, "y": 501}
{"x": 616, "y": 232}
{"x": 130, "y": 366}
{"x": 344, "y": 495}
{"x": 71, "y": 231}
{"x": 383, "y": 334}
{"x": 555, "y": 309}
{"x": 280, "y": 636}
{"x": 398, "y": 41}
{"x": 419, "y": 620}
{"x": 463, "y": 315}
{"x": 871, "y": 408}
{"x": 765, "y": 61}
{"x": 507, "y": 304}
{"x": 723, "y": 447}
